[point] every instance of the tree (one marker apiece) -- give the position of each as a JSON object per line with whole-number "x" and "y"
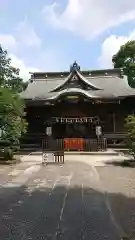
{"x": 130, "y": 126}
{"x": 12, "y": 122}
{"x": 125, "y": 58}
{"x": 9, "y": 75}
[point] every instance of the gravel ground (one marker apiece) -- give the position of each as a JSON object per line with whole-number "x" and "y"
{"x": 74, "y": 201}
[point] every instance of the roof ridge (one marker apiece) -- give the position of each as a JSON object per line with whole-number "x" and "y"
{"x": 82, "y": 71}
{"x": 86, "y": 81}
{"x": 107, "y": 76}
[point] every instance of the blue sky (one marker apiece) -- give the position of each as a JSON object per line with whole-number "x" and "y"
{"x": 48, "y": 35}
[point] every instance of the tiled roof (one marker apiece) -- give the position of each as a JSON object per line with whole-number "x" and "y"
{"x": 104, "y": 86}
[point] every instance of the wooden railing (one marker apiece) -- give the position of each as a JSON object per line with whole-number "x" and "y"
{"x": 74, "y": 144}
{"x": 116, "y": 139}
{"x": 115, "y": 135}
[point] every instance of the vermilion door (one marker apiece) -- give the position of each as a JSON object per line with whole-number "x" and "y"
{"x": 71, "y": 144}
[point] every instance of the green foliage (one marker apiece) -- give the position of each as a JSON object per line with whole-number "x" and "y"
{"x": 125, "y": 58}
{"x": 9, "y": 75}
{"x": 130, "y": 126}
{"x": 4, "y": 143}
{"x": 12, "y": 122}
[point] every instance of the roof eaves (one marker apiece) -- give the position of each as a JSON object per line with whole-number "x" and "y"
{"x": 86, "y": 81}
{"x": 81, "y": 77}
{"x": 60, "y": 85}
{"x": 72, "y": 90}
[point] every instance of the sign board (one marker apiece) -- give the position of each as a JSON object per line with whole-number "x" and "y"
{"x": 49, "y": 131}
{"x": 76, "y": 120}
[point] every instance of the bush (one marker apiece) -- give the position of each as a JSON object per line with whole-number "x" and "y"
{"x": 8, "y": 154}
{"x": 15, "y": 148}
{"x": 130, "y": 126}
{"x": 5, "y": 143}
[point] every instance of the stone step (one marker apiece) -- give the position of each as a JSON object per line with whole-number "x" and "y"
{"x": 109, "y": 152}
{"x": 99, "y": 153}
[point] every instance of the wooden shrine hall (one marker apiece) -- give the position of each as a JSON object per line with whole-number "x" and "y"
{"x": 74, "y": 102}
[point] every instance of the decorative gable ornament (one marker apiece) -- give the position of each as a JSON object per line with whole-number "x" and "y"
{"x": 75, "y": 67}
{"x": 74, "y": 78}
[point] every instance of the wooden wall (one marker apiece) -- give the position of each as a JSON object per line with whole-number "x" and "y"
{"x": 112, "y": 115}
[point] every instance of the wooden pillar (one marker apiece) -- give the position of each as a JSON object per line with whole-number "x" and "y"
{"x": 114, "y": 122}
{"x": 114, "y": 126}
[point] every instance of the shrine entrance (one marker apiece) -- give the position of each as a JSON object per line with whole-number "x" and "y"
{"x": 73, "y": 120}
{"x": 58, "y": 146}
{"x": 82, "y": 127}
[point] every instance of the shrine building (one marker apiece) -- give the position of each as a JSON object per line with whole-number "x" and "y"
{"x": 73, "y": 102}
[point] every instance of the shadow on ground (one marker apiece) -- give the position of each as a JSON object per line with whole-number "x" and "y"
{"x": 123, "y": 163}
{"x": 76, "y": 213}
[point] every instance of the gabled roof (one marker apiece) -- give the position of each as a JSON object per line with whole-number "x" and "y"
{"x": 80, "y": 76}
{"x": 105, "y": 84}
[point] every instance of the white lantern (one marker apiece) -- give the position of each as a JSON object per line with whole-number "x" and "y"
{"x": 49, "y": 131}
{"x": 98, "y": 130}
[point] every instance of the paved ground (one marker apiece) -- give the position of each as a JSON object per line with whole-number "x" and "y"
{"x": 74, "y": 201}
{"x": 95, "y": 159}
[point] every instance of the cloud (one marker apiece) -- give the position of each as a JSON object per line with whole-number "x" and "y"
{"x": 26, "y": 35}
{"x": 110, "y": 46}
{"x": 8, "y": 41}
{"x": 47, "y": 59}
{"x": 24, "y": 70}
{"x": 20, "y": 45}
{"x": 23, "y": 36}
{"x": 89, "y": 18}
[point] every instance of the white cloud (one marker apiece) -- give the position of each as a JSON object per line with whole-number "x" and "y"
{"x": 110, "y": 46}
{"x": 88, "y": 18}
{"x": 21, "y": 41}
{"x": 23, "y": 36}
{"x": 48, "y": 59}
{"x": 26, "y": 35}
{"x": 24, "y": 70}
{"x": 8, "y": 41}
